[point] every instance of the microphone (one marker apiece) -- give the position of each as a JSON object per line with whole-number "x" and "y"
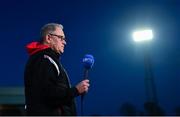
{"x": 88, "y": 62}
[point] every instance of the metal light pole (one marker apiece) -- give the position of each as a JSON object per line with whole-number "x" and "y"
{"x": 145, "y": 36}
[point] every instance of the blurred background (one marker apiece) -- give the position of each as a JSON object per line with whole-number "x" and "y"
{"x": 128, "y": 78}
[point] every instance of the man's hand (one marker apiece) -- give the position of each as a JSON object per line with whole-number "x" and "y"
{"x": 83, "y": 86}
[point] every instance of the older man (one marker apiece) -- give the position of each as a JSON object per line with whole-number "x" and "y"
{"x": 47, "y": 86}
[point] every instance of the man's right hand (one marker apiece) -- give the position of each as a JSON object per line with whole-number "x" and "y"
{"x": 83, "y": 86}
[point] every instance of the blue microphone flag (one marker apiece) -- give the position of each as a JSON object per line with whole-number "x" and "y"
{"x": 88, "y": 61}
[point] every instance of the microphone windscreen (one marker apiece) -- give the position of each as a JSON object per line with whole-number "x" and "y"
{"x": 88, "y": 61}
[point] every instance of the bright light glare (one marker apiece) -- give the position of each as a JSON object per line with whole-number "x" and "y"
{"x": 142, "y": 35}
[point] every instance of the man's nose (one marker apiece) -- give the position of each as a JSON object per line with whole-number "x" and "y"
{"x": 64, "y": 42}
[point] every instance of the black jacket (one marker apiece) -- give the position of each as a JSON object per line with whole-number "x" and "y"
{"x": 47, "y": 86}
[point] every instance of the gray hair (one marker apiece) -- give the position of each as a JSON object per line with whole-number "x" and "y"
{"x": 49, "y": 28}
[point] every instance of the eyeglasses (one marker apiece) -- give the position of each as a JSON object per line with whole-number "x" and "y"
{"x": 59, "y": 36}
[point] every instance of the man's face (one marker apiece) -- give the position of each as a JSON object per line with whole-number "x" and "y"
{"x": 57, "y": 42}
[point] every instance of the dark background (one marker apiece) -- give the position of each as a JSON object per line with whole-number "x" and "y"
{"x": 104, "y": 29}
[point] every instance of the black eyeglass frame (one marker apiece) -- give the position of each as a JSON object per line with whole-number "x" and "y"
{"x": 59, "y": 36}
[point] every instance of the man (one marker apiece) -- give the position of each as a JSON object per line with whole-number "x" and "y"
{"x": 47, "y": 86}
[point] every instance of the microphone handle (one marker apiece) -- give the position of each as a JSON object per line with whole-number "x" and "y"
{"x": 86, "y": 72}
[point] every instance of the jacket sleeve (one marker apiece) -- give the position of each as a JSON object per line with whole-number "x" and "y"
{"x": 53, "y": 91}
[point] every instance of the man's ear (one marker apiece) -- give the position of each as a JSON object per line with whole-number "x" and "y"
{"x": 48, "y": 39}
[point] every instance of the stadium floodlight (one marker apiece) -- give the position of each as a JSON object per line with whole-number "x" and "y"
{"x": 142, "y": 35}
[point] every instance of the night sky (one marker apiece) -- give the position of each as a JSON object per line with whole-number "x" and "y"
{"x": 104, "y": 29}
